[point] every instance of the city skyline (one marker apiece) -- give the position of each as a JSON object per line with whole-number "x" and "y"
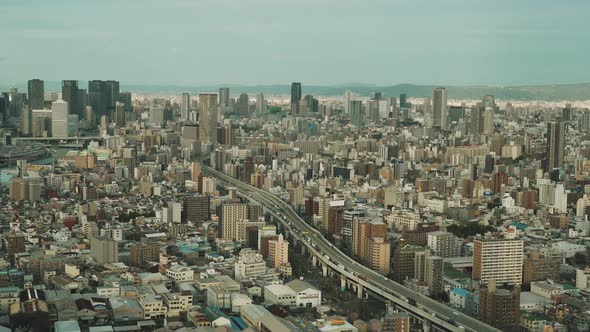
{"x": 261, "y": 42}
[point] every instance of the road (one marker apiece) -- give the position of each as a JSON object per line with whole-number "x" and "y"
{"x": 436, "y": 312}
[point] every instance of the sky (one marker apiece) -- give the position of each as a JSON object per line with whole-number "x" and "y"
{"x": 319, "y": 42}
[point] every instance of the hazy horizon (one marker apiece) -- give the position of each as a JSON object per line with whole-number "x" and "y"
{"x": 265, "y": 42}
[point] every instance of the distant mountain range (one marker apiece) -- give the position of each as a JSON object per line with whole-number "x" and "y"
{"x": 555, "y": 92}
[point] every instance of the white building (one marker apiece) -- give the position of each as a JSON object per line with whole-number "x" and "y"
{"x": 582, "y": 278}
{"x": 249, "y": 264}
{"x": 238, "y": 301}
{"x": 281, "y": 295}
{"x": 59, "y": 118}
{"x": 153, "y": 306}
{"x": 180, "y": 273}
{"x": 306, "y": 295}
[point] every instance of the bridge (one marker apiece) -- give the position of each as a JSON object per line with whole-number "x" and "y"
{"x": 76, "y": 139}
{"x": 433, "y": 315}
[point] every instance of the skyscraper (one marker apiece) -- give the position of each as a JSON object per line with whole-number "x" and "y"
{"x": 36, "y": 94}
{"x": 104, "y": 250}
{"x": 356, "y": 113}
{"x": 440, "y": 108}
{"x": 97, "y": 98}
{"x": 185, "y": 106}
{"x": 120, "y": 115}
{"x": 295, "y": 97}
{"x": 208, "y": 118}
{"x": 555, "y": 145}
{"x": 59, "y": 118}
{"x": 403, "y": 100}
{"x": 260, "y": 104}
{"x": 224, "y": 97}
{"x": 243, "y": 104}
{"x": 69, "y": 93}
{"x": 348, "y": 97}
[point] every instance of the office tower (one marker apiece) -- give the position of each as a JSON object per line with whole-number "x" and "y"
{"x": 260, "y": 104}
{"x": 36, "y": 97}
{"x": 476, "y": 121}
{"x": 488, "y": 121}
{"x": 97, "y": 98}
{"x": 196, "y": 208}
{"x": 172, "y": 214}
{"x": 373, "y": 111}
{"x": 229, "y": 216}
{"x": 295, "y": 97}
{"x": 444, "y": 244}
{"x": 185, "y": 106}
{"x": 69, "y": 93}
{"x": 278, "y": 252}
{"x": 59, "y": 118}
{"x": 403, "y": 100}
{"x": 224, "y": 97}
{"x": 376, "y": 95}
{"x": 112, "y": 95}
{"x": 73, "y": 124}
{"x": 348, "y": 97}
{"x": 104, "y": 250}
{"x": 356, "y": 113}
{"x": 208, "y": 118}
{"x": 555, "y": 145}
{"x": 141, "y": 253}
{"x": 243, "y": 104}
{"x": 396, "y": 322}
{"x": 126, "y": 99}
{"x": 440, "y": 108}
{"x": 500, "y": 307}
{"x": 3, "y": 109}
{"x": 497, "y": 259}
{"x": 41, "y": 123}
{"x": 120, "y": 115}
{"x": 584, "y": 121}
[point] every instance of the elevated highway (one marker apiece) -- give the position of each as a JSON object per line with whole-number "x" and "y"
{"x": 434, "y": 316}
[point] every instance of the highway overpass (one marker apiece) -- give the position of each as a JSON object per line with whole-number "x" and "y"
{"x": 435, "y": 316}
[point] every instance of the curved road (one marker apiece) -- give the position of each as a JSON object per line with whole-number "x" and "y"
{"x": 437, "y": 312}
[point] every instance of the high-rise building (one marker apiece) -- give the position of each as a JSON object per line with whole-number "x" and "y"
{"x": 224, "y": 97}
{"x": 371, "y": 244}
{"x": 196, "y": 208}
{"x": 488, "y": 121}
{"x": 140, "y": 253}
{"x": 444, "y": 244}
{"x": 500, "y": 307}
{"x": 537, "y": 268}
{"x": 555, "y": 145}
{"x": 403, "y": 100}
{"x": 120, "y": 115}
{"x": 59, "y": 118}
{"x": 498, "y": 259}
{"x": 36, "y": 94}
{"x": 355, "y": 110}
{"x": 69, "y": 93}
{"x": 243, "y": 104}
{"x": 295, "y": 97}
{"x": 348, "y": 97}
{"x": 104, "y": 250}
{"x": 440, "y": 108}
{"x": 112, "y": 95}
{"x": 172, "y": 213}
{"x": 230, "y": 214}
{"x": 249, "y": 264}
{"x": 14, "y": 243}
{"x": 260, "y": 104}
{"x": 208, "y": 118}
{"x": 278, "y": 252}
{"x": 185, "y": 106}
{"x": 97, "y": 98}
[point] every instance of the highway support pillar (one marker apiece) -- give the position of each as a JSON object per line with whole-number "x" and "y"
{"x": 325, "y": 270}
{"x": 302, "y": 249}
{"x": 342, "y": 282}
{"x": 359, "y": 291}
{"x": 426, "y": 325}
{"x": 314, "y": 260}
